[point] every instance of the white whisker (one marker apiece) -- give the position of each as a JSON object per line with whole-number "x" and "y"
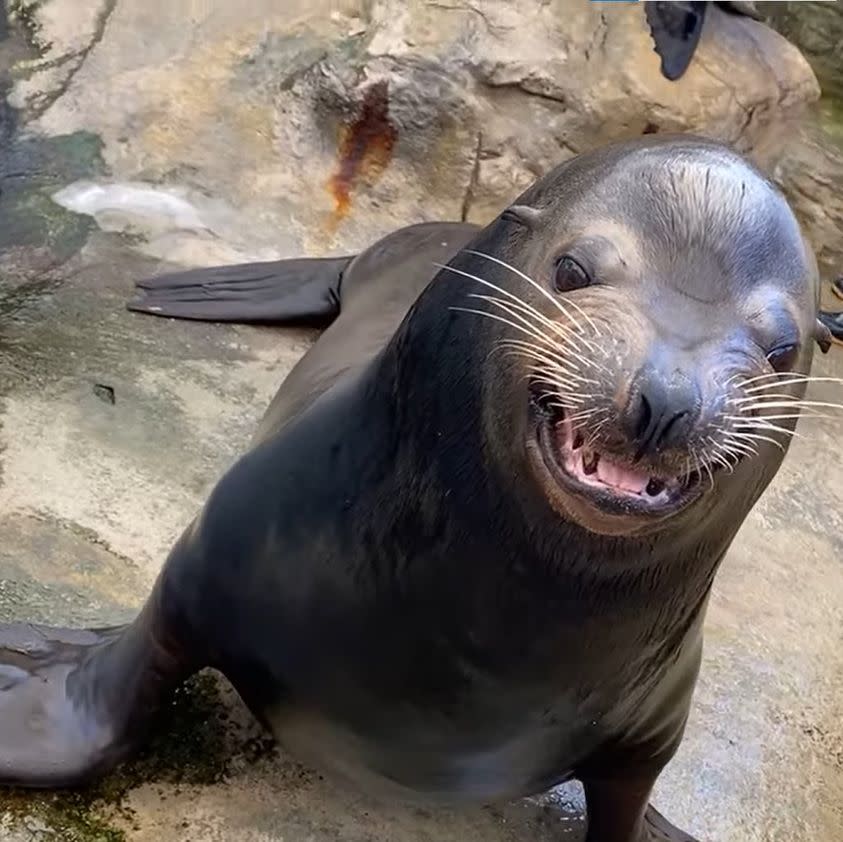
{"x": 528, "y": 310}
{"x": 541, "y": 289}
{"x": 792, "y": 380}
{"x": 563, "y": 366}
{"x": 776, "y": 404}
{"x": 758, "y": 437}
{"x": 740, "y": 447}
{"x": 573, "y": 336}
{"x": 791, "y": 416}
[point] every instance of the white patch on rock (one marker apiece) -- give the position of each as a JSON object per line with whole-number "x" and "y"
{"x": 118, "y": 207}
{"x": 174, "y": 223}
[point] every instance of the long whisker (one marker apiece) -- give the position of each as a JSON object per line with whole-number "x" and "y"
{"x": 513, "y": 311}
{"x": 562, "y": 364}
{"x": 540, "y": 288}
{"x": 708, "y": 470}
{"x": 760, "y": 424}
{"x": 560, "y": 390}
{"x": 577, "y": 337}
{"x": 545, "y": 363}
{"x": 768, "y": 396}
{"x": 719, "y": 458}
{"x": 792, "y": 416}
{"x": 775, "y": 404}
{"x": 740, "y": 446}
{"x": 557, "y": 327}
{"x": 758, "y": 437}
{"x": 581, "y": 416}
{"x": 719, "y": 447}
{"x": 594, "y": 432}
{"x": 785, "y": 379}
{"x": 497, "y": 318}
{"x": 536, "y": 331}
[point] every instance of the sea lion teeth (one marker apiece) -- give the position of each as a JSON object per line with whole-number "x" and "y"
{"x": 589, "y": 461}
{"x": 620, "y": 477}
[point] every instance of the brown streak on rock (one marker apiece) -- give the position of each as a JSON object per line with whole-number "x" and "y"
{"x": 365, "y": 147}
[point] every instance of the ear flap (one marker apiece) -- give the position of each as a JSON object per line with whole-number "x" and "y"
{"x": 522, "y": 214}
{"x": 822, "y": 336}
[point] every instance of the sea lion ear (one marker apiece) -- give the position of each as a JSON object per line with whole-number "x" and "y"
{"x": 822, "y": 336}
{"x": 527, "y": 216}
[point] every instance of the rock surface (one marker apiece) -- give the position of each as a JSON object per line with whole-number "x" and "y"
{"x": 817, "y": 29}
{"x": 184, "y": 132}
{"x": 810, "y": 167}
{"x": 327, "y": 123}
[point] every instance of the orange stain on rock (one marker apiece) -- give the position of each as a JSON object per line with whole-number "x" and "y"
{"x": 365, "y": 147}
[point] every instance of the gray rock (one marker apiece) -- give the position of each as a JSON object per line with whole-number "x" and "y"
{"x": 330, "y": 123}
{"x": 817, "y": 29}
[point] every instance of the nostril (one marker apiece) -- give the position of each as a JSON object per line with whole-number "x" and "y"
{"x": 645, "y": 416}
{"x": 667, "y": 429}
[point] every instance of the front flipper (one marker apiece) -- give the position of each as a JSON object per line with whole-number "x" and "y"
{"x": 277, "y": 292}
{"x": 73, "y": 704}
{"x": 617, "y": 811}
{"x": 676, "y": 28}
{"x": 658, "y": 829}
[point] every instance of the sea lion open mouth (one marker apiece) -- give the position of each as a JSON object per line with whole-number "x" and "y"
{"x": 601, "y": 479}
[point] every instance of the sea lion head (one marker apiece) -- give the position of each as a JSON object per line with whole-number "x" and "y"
{"x": 651, "y": 310}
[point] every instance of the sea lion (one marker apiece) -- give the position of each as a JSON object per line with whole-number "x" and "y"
{"x": 468, "y": 553}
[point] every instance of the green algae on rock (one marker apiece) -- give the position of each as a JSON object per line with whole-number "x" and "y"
{"x": 192, "y": 745}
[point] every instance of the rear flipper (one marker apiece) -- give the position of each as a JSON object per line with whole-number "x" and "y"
{"x": 277, "y": 292}
{"x": 73, "y": 704}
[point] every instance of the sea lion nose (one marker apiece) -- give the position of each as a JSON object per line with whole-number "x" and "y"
{"x": 662, "y": 409}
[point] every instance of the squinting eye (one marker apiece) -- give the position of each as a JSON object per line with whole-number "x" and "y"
{"x": 783, "y": 358}
{"x": 569, "y": 275}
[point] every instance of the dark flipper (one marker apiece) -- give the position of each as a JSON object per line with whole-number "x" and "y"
{"x": 658, "y": 829}
{"x": 618, "y": 811}
{"x": 676, "y": 28}
{"x": 73, "y": 704}
{"x": 277, "y": 292}
{"x": 833, "y": 322}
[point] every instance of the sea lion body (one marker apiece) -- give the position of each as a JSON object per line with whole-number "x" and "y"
{"x": 432, "y": 584}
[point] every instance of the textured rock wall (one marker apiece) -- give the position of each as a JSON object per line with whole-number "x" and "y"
{"x": 817, "y": 29}
{"x": 331, "y": 122}
{"x": 811, "y": 171}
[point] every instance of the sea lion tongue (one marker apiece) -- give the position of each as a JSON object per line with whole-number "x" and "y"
{"x": 621, "y": 477}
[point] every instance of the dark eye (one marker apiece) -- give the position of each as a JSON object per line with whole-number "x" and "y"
{"x": 569, "y": 275}
{"x": 783, "y": 357}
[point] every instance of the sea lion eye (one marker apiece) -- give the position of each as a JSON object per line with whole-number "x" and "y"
{"x": 569, "y": 275}
{"x": 783, "y": 357}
